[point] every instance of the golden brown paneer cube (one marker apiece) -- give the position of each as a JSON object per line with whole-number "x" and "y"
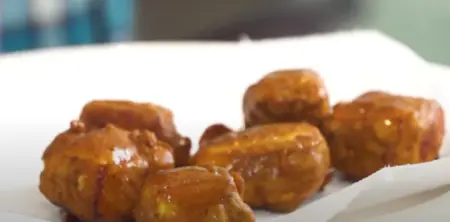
{"x": 130, "y": 115}
{"x": 97, "y": 174}
{"x": 287, "y": 96}
{"x": 193, "y": 194}
{"x": 218, "y": 129}
{"x": 282, "y": 164}
{"x": 379, "y": 129}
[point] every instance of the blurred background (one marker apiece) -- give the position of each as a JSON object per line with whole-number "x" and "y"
{"x": 33, "y": 24}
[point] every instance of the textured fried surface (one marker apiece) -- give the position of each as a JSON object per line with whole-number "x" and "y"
{"x": 97, "y": 175}
{"x": 286, "y": 96}
{"x": 212, "y": 132}
{"x": 193, "y": 194}
{"x": 130, "y": 115}
{"x": 378, "y": 129}
{"x": 282, "y": 164}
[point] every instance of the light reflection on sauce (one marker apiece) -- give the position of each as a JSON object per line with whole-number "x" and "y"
{"x": 121, "y": 155}
{"x": 127, "y": 157}
{"x": 165, "y": 157}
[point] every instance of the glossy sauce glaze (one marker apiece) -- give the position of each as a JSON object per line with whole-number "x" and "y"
{"x": 190, "y": 194}
{"x": 97, "y": 174}
{"x": 282, "y": 164}
{"x": 379, "y": 129}
{"x": 138, "y": 116}
{"x": 287, "y": 96}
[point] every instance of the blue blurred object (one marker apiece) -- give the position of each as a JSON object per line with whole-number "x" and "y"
{"x": 30, "y": 24}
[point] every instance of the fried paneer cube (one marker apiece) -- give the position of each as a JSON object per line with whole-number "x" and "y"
{"x": 193, "y": 194}
{"x": 218, "y": 129}
{"x": 97, "y": 174}
{"x": 379, "y": 129}
{"x": 287, "y": 96}
{"x": 282, "y": 164}
{"x": 130, "y": 115}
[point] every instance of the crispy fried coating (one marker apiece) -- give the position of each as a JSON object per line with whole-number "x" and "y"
{"x": 218, "y": 129}
{"x": 193, "y": 194}
{"x": 286, "y": 96}
{"x": 212, "y": 132}
{"x": 97, "y": 174}
{"x": 379, "y": 129}
{"x": 282, "y": 164}
{"x": 130, "y": 115}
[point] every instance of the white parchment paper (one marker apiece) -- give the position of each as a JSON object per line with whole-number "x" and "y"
{"x": 41, "y": 92}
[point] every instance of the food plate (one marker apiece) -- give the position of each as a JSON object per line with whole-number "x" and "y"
{"x": 202, "y": 83}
